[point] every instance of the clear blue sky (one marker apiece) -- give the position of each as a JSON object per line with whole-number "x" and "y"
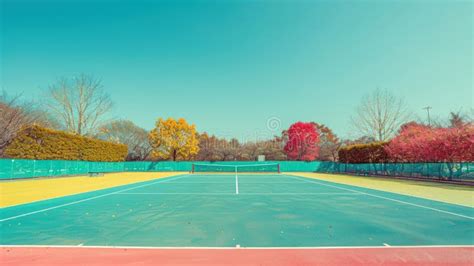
{"x": 228, "y": 66}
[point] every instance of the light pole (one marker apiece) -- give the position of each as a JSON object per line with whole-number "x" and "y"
{"x": 427, "y": 108}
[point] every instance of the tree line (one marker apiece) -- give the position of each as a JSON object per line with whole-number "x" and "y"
{"x": 80, "y": 106}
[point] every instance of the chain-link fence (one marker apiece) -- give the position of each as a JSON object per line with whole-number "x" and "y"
{"x": 447, "y": 171}
{"x": 13, "y": 169}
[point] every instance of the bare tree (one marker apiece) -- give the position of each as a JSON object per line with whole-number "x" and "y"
{"x": 470, "y": 116}
{"x": 329, "y": 143}
{"x": 80, "y": 103}
{"x": 14, "y": 116}
{"x": 227, "y": 150}
{"x": 250, "y": 151}
{"x": 380, "y": 115}
{"x": 272, "y": 149}
{"x": 126, "y": 132}
{"x": 456, "y": 119}
{"x": 12, "y": 119}
{"x": 207, "y": 147}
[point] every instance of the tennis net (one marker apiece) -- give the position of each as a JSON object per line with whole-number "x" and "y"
{"x": 228, "y": 168}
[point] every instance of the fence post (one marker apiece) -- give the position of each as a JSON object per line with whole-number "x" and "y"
{"x": 11, "y": 175}
{"x": 440, "y": 175}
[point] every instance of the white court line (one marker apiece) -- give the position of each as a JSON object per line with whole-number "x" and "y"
{"x": 232, "y": 182}
{"x": 246, "y": 193}
{"x": 298, "y": 193}
{"x": 270, "y": 182}
{"x": 257, "y": 248}
{"x": 240, "y": 181}
{"x": 236, "y": 184}
{"x": 73, "y": 194}
{"x": 174, "y": 193}
{"x": 87, "y": 199}
{"x": 234, "y": 165}
{"x": 214, "y": 175}
{"x": 385, "y": 198}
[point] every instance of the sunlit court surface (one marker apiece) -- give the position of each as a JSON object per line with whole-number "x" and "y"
{"x": 236, "y": 132}
{"x": 228, "y": 216}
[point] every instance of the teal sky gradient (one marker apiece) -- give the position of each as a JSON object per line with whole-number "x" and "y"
{"x": 229, "y": 66}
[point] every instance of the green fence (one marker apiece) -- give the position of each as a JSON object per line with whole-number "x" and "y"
{"x": 446, "y": 171}
{"x": 285, "y": 166}
{"x": 14, "y": 169}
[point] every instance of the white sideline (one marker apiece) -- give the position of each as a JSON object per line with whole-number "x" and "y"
{"x": 236, "y": 165}
{"x": 176, "y": 193}
{"x": 73, "y": 194}
{"x": 256, "y": 248}
{"x": 87, "y": 199}
{"x": 382, "y": 197}
{"x": 230, "y": 183}
{"x": 240, "y": 193}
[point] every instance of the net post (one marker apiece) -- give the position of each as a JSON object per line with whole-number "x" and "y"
{"x": 278, "y": 165}
{"x": 192, "y": 170}
{"x": 12, "y": 169}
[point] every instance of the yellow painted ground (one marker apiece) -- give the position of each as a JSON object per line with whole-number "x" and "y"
{"x": 456, "y": 194}
{"x": 24, "y": 191}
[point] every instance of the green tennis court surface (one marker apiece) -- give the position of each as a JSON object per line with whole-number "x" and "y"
{"x": 222, "y": 210}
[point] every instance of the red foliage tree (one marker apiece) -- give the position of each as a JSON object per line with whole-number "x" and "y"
{"x": 420, "y": 143}
{"x": 302, "y": 142}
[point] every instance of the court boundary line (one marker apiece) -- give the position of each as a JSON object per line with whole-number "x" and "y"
{"x": 245, "y": 193}
{"x": 90, "y": 198}
{"x": 177, "y": 193}
{"x": 235, "y": 165}
{"x": 185, "y": 175}
{"x": 74, "y": 194}
{"x": 237, "y": 248}
{"x": 381, "y": 197}
{"x": 229, "y": 183}
{"x": 220, "y": 174}
{"x": 236, "y": 183}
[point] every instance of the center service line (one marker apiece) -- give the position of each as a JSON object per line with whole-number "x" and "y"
{"x": 236, "y": 184}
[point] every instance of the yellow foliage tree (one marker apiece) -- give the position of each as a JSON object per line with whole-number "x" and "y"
{"x": 173, "y": 140}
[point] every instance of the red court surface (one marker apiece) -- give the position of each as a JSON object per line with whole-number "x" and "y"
{"x": 454, "y": 255}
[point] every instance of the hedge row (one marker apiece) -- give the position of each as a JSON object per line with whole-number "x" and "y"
{"x": 39, "y": 143}
{"x": 364, "y": 153}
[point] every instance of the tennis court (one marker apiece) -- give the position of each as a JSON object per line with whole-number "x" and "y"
{"x": 237, "y": 210}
